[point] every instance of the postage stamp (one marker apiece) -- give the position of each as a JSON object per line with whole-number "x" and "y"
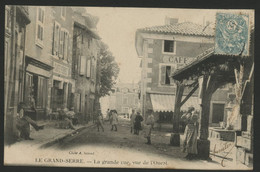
{"x": 232, "y": 32}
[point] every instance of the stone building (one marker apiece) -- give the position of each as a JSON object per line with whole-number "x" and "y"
{"x": 163, "y": 50}
{"x": 124, "y": 98}
{"x": 84, "y": 67}
{"x": 49, "y": 59}
{"x": 16, "y": 21}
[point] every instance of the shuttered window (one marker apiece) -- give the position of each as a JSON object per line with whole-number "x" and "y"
{"x": 40, "y": 26}
{"x": 56, "y": 39}
{"x": 88, "y": 68}
{"x": 82, "y": 69}
{"x": 166, "y": 72}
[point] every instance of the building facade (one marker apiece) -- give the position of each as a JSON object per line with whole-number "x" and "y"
{"x": 48, "y": 59}
{"x": 124, "y": 98}
{"x": 16, "y": 20}
{"x": 163, "y": 50}
{"x": 84, "y": 67}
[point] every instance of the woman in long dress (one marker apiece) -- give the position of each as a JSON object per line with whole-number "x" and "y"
{"x": 191, "y": 134}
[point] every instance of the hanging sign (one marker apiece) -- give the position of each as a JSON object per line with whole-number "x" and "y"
{"x": 232, "y": 34}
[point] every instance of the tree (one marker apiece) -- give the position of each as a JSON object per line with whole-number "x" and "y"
{"x": 108, "y": 70}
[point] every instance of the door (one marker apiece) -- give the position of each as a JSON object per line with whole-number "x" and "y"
{"x": 217, "y": 112}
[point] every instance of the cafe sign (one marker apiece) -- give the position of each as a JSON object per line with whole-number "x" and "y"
{"x": 177, "y": 59}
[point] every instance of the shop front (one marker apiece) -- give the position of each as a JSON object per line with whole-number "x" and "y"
{"x": 62, "y": 94}
{"x": 36, "y": 88}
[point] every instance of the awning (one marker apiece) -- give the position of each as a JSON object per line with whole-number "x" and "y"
{"x": 165, "y": 103}
{"x": 162, "y": 102}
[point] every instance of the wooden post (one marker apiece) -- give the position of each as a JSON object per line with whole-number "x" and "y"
{"x": 175, "y": 136}
{"x": 209, "y": 86}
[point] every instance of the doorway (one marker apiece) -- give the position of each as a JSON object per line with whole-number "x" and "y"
{"x": 218, "y": 112}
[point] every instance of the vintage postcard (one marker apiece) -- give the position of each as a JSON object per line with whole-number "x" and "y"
{"x": 117, "y": 87}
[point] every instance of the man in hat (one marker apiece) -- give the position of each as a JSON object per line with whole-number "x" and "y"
{"x": 149, "y": 127}
{"x": 99, "y": 121}
{"x": 132, "y": 120}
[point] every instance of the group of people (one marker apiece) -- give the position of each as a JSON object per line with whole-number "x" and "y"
{"x": 136, "y": 120}
{"x": 113, "y": 119}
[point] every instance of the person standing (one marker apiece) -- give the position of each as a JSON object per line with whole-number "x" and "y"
{"x": 149, "y": 127}
{"x": 99, "y": 121}
{"x": 191, "y": 134}
{"x": 132, "y": 120}
{"x": 114, "y": 120}
{"x": 137, "y": 124}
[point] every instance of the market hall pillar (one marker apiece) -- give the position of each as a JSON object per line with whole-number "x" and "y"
{"x": 208, "y": 87}
{"x": 175, "y": 136}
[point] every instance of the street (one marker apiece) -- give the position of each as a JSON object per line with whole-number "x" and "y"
{"x": 121, "y": 139}
{"x": 121, "y": 149}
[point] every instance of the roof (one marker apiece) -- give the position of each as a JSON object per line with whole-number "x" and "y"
{"x": 202, "y": 62}
{"x": 166, "y": 103}
{"x": 185, "y": 28}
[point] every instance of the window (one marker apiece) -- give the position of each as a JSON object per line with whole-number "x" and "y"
{"x": 89, "y": 42}
{"x": 63, "y": 12}
{"x": 60, "y": 42}
{"x": 82, "y": 64}
{"x": 40, "y": 26}
{"x": 125, "y": 100}
{"x": 56, "y": 39}
{"x": 66, "y": 45}
{"x": 168, "y": 46}
{"x": 88, "y": 68}
{"x": 165, "y": 74}
{"x": 92, "y": 68}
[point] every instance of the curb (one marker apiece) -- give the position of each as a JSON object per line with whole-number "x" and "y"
{"x": 52, "y": 142}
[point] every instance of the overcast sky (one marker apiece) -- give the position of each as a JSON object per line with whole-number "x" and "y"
{"x": 117, "y": 27}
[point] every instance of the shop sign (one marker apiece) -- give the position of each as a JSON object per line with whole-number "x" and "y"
{"x": 177, "y": 59}
{"x": 60, "y": 69}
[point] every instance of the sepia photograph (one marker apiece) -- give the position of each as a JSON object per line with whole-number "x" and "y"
{"x": 128, "y": 87}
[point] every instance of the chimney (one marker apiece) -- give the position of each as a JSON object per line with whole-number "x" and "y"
{"x": 171, "y": 21}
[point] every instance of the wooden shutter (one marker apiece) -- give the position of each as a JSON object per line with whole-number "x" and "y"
{"x": 53, "y": 40}
{"x": 163, "y": 75}
{"x": 172, "y": 71}
{"x": 82, "y": 65}
{"x": 61, "y": 44}
{"x": 88, "y": 68}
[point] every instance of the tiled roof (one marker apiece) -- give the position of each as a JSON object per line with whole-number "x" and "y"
{"x": 186, "y": 28}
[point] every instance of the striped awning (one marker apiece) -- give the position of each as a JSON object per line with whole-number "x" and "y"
{"x": 165, "y": 103}
{"x": 162, "y": 102}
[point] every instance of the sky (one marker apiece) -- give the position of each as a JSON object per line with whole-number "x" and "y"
{"x": 117, "y": 27}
